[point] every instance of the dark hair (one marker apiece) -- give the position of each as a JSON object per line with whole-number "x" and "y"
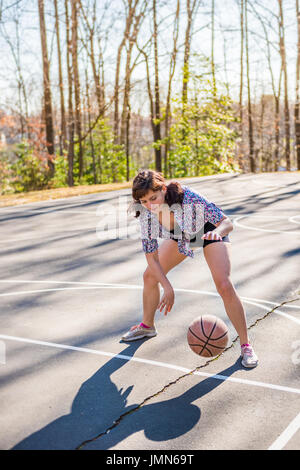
{"x": 153, "y": 180}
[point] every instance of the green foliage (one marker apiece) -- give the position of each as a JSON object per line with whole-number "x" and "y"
{"x": 30, "y": 170}
{"x": 60, "y": 178}
{"x": 202, "y": 140}
{"x": 104, "y": 160}
{"x": 6, "y": 175}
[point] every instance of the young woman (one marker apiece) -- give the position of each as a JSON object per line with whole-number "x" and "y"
{"x": 185, "y": 220}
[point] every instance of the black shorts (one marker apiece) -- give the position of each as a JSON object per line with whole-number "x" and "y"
{"x": 197, "y": 242}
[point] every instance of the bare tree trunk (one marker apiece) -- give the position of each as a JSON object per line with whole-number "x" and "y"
{"x": 129, "y": 19}
{"x": 261, "y": 157}
{"x": 127, "y": 141}
{"x": 171, "y": 75}
{"x": 126, "y": 112}
{"x": 116, "y": 94}
{"x": 62, "y": 137}
{"x": 187, "y": 47}
{"x": 197, "y": 118}
{"x": 93, "y": 62}
{"x": 89, "y": 124}
{"x": 241, "y": 149}
{"x": 186, "y": 62}
{"x": 102, "y": 81}
{"x": 276, "y": 94}
{"x": 156, "y": 127}
{"x": 149, "y": 88}
{"x": 91, "y": 53}
{"x": 14, "y": 46}
{"x": 286, "y": 99}
{"x": 297, "y": 104}
{"x": 47, "y": 90}
{"x": 125, "y": 120}
{"x": 213, "y": 73}
{"x": 250, "y": 121}
{"x": 71, "y": 124}
{"x": 74, "y": 4}
{"x": 277, "y": 124}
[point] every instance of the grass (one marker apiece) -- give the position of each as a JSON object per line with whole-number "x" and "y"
{"x": 57, "y": 193}
{"x": 50, "y": 194}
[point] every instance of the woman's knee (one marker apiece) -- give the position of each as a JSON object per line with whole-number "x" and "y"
{"x": 149, "y": 278}
{"x": 225, "y": 287}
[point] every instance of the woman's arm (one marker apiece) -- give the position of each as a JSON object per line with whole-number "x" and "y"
{"x": 222, "y": 229}
{"x": 224, "y": 226}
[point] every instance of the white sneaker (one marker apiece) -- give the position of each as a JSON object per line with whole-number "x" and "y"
{"x": 249, "y": 358}
{"x": 139, "y": 332}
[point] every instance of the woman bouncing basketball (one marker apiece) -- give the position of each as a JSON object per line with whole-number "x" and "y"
{"x": 185, "y": 220}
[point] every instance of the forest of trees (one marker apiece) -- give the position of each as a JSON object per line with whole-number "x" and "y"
{"x": 111, "y": 86}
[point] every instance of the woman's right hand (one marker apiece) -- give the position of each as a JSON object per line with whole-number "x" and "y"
{"x": 167, "y": 300}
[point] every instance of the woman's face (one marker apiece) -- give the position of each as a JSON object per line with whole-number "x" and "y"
{"x": 154, "y": 199}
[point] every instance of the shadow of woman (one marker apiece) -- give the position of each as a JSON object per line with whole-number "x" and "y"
{"x": 99, "y": 403}
{"x": 166, "y": 419}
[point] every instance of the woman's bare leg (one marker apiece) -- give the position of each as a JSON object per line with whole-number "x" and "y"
{"x": 169, "y": 257}
{"x": 217, "y": 256}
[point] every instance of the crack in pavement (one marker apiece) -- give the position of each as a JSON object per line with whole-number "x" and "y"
{"x": 165, "y": 387}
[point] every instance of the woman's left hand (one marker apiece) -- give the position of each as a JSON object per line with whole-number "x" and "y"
{"x": 211, "y": 236}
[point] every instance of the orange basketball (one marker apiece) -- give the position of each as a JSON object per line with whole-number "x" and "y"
{"x": 207, "y": 336}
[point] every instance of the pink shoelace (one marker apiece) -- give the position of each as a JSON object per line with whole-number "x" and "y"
{"x": 136, "y": 326}
{"x": 247, "y": 350}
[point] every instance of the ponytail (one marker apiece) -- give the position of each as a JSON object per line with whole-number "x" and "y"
{"x": 174, "y": 193}
{"x": 154, "y": 180}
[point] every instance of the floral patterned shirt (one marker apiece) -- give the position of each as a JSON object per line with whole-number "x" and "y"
{"x": 191, "y": 216}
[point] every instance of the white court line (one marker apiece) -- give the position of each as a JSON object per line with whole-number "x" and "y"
{"x": 278, "y": 312}
{"x": 297, "y": 307}
{"x": 291, "y": 219}
{"x": 22, "y": 292}
{"x": 287, "y": 434}
{"x": 98, "y": 285}
{"x": 290, "y": 317}
{"x": 237, "y": 224}
{"x": 154, "y": 363}
{"x": 133, "y": 286}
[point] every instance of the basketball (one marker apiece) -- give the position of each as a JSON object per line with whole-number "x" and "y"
{"x": 207, "y": 336}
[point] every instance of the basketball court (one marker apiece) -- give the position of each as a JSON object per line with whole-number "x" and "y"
{"x": 67, "y": 294}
